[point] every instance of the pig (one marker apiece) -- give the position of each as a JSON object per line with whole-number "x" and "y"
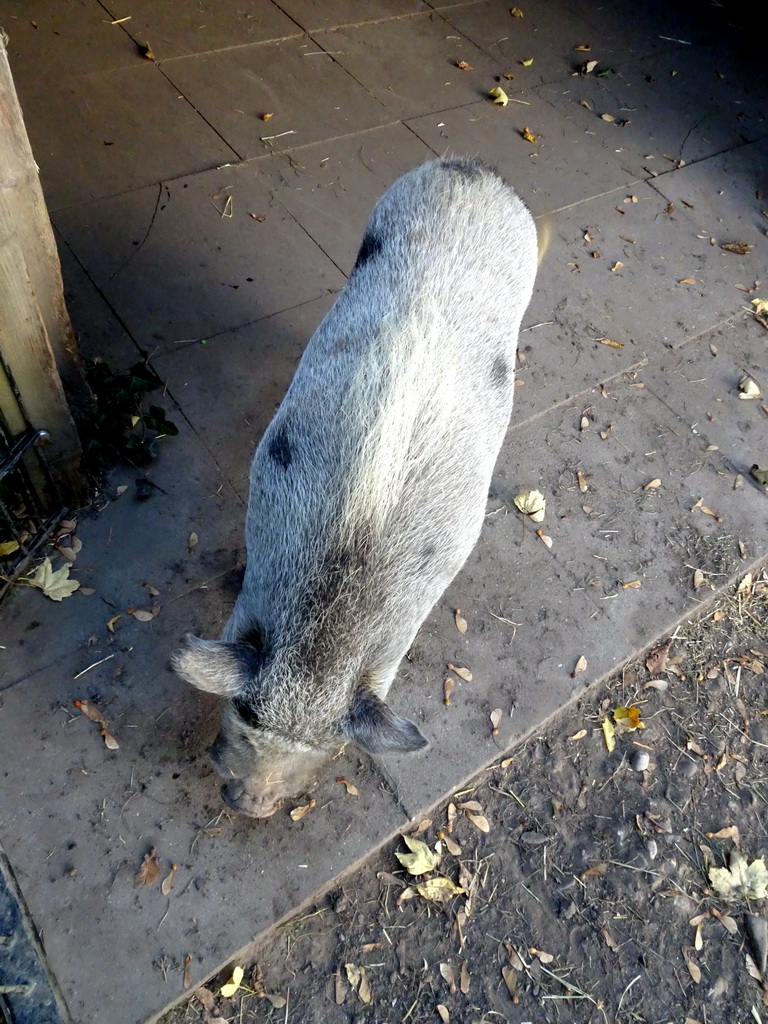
{"x": 369, "y": 487}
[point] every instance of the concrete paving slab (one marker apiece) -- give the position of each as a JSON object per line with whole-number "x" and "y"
{"x": 186, "y": 260}
{"x": 546, "y": 34}
{"x": 249, "y": 369}
{"x": 666, "y": 109}
{"x": 128, "y": 543}
{"x": 700, "y": 382}
{"x": 91, "y": 136}
{"x": 561, "y": 168}
{"x": 308, "y": 93}
{"x": 314, "y": 15}
{"x": 176, "y": 30}
{"x": 77, "y": 839}
{"x": 725, "y": 193}
{"x": 98, "y": 331}
{"x": 331, "y": 188}
{"x": 619, "y": 573}
{"x": 390, "y": 58}
{"x": 42, "y": 35}
{"x": 669, "y": 284}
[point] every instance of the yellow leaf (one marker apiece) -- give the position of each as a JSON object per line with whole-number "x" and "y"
{"x": 590, "y": 66}
{"x": 687, "y": 280}
{"x": 609, "y": 341}
{"x": 111, "y": 623}
{"x": 582, "y": 48}
{"x": 627, "y": 719}
{"x": 499, "y": 96}
{"x": 420, "y": 860}
{"x": 761, "y": 305}
{"x": 527, "y": 63}
{"x": 607, "y": 117}
{"x": 609, "y": 731}
{"x": 8, "y": 547}
{"x": 516, "y": 12}
{"x": 617, "y": 266}
{"x": 439, "y": 890}
{"x": 266, "y": 117}
{"x": 56, "y": 585}
{"x": 633, "y": 585}
{"x": 529, "y": 136}
{"x": 233, "y": 984}
{"x": 532, "y": 504}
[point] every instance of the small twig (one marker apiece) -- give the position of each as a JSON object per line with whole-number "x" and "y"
{"x": 629, "y": 986}
{"x": 266, "y": 138}
{"x": 93, "y": 666}
{"x": 544, "y": 323}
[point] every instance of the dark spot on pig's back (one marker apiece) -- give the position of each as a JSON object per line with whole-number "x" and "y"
{"x": 499, "y": 372}
{"x": 470, "y": 170}
{"x": 280, "y": 449}
{"x": 371, "y": 246}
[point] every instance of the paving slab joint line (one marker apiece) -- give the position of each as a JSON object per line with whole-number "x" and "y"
{"x": 357, "y": 24}
{"x": 248, "y": 951}
{"x": 573, "y": 399}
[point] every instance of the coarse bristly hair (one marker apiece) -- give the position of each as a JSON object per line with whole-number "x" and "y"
{"x": 369, "y": 487}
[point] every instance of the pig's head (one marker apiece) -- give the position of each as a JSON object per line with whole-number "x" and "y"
{"x": 277, "y": 736}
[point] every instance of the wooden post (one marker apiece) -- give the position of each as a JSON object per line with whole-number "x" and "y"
{"x": 37, "y": 343}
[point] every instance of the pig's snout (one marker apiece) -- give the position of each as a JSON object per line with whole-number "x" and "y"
{"x": 261, "y": 805}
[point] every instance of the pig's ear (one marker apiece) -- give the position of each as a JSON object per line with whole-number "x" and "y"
{"x": 211, "y": 665}
{"x": 374, "y": 727}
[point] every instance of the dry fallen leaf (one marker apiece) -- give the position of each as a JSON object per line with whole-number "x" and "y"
{"x": 617, "y": 266}
{"x": 526, "y": 63}
{"x": 364, "y": 989}
{"x": 698, "y": 579}
{"x": 439, "y": 890}
{"x": 607, "y": 117}
{"x": 461, "y": 622}
{"x": 589, "y": 66}
{"x": 420, "y": 860}
{"x": 109, "y": 740}
{"x": 652, "y": 484}
{"x": 729, "y": 832}
{"x": 462, "y": 673}
{"x": 510, "y": 976}
{"x": 609, "y": 341}
{"x": 89, "y": 709}
{"x": 531, "y": 503}
{"x": 350, "y": 786}
{"x": 149, "y": 872}
{"x": 578, "y": 735}
{"x": 479, "y": 821}
{"x": 627, "y": 719}
{"x": 740, "y": 248}
{"x": 579, "y": 667}
{"x": 298, "y": 812}
{"x": 495, "y": 717}
{"x": 582, "y": 482}
{"x": 499, "y": 96}
{"x": 141, "y": 614}
{"x": 165, "y": 888}
{"x": 56, "y": 585}
{"x": 192, "y": 542}
{"x": 529, "y": 136}
{"x": 546, "y": 958}
{"x": 111, "y": 623}
{"x": 462, "y": 65}
{"x": 451, "y": 845}
{"x": 516, "y": 12}
{"x": 687, "y": 280}
{"x": 749, "y": 389}
{"x": 609, "y": 731}
{"x": 233, "y": 984}
{"x": 543, "y": 537}
{"x": 443, "y": 1013}
{"x": 658, "y": 658}
{"x": 632, "y": 585}
{"x": 741, "y": 880}
{"x": 449, "y": 685}
{"x": 656, "y": 684}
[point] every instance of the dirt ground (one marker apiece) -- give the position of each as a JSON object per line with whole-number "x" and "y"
{"x": 588, "y": 896}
